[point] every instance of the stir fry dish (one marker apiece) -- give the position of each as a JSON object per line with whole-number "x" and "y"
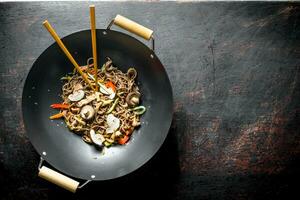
{"x": 106, "y": 116}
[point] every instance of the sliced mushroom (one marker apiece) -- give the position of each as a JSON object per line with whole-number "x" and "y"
{"x": 87, "y": 112}
{"x": 113, "y": 123}
{"x": 133, "y": 99}
{"x": 76, "y": 96}
{"x": 97, "y": 139}
{"x": 87, "y": 100}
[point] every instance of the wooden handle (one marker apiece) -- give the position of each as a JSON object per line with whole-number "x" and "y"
{"x": 65, "y": 50}
{"x": 133, "y": 27}
{"x": 58, "y": 179}
{"x": 94, "y": 46}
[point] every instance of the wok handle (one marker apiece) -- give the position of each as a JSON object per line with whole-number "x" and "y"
{"x": 133, "y": 27}
{"x": 59, "y": 179}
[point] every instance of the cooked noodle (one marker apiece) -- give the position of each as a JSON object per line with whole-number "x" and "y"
{"x": 102, "y": 103}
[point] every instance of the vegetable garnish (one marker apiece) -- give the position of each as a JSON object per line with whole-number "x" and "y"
{"x": 57, "y": 116}
{"x": 103, "y": 88}
{"x": 111, "y": 85}
{"x": 60, "y": 106}
{"x": 139, "y": 110}
{"x": 113, "y": 106}
{"x": 123, "y": 140}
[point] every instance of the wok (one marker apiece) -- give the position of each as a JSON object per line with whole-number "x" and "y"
{"x": 74, "y": 160}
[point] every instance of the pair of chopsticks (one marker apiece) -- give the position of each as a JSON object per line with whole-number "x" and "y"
{"x": 68, "y": 54}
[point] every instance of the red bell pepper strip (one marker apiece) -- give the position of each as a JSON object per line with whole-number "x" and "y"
{"x": 59, "y": 106}
{"x": 123, "y": 140}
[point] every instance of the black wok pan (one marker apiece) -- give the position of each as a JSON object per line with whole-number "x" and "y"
{"x": 64, "y": 150}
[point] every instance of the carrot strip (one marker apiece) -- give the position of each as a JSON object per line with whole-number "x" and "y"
{"x": 111, "y": 85}
{"x": 57, "y": 116}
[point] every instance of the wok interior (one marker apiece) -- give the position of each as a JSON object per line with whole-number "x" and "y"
{"x": 65, "y": 150}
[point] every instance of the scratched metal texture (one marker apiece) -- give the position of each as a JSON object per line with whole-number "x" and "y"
{"x": 234, "y": 69}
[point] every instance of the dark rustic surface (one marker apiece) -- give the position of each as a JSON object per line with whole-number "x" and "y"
{"x": 234, "y": 68}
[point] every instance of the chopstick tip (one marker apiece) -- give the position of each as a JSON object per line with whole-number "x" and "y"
{"x": 45, "y": 22}
{"x": 92, "y": 6}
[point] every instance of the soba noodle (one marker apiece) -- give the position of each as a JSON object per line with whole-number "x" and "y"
{"x": 112, "y": 113}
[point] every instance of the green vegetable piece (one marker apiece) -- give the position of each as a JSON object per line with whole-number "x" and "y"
{"x": 107, "y": 144}
{"x": 113, "y": 106}
{"x": 139, "y": 110}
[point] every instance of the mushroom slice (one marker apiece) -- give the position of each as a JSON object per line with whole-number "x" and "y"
{"x": 133, "y": 99}
{"x": 97, "y": 139}
{"x": 113, "y": 123}
{"x": 87, "y": 100}
{"x": 76, "y": 96}
{"x": 87, "y": 112}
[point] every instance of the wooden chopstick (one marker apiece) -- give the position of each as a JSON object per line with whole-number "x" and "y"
{"x": 65, "y": 50}
{"x": 94, "y": 46}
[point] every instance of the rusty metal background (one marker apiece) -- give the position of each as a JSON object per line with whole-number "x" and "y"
{"x": 234, "y": 68}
